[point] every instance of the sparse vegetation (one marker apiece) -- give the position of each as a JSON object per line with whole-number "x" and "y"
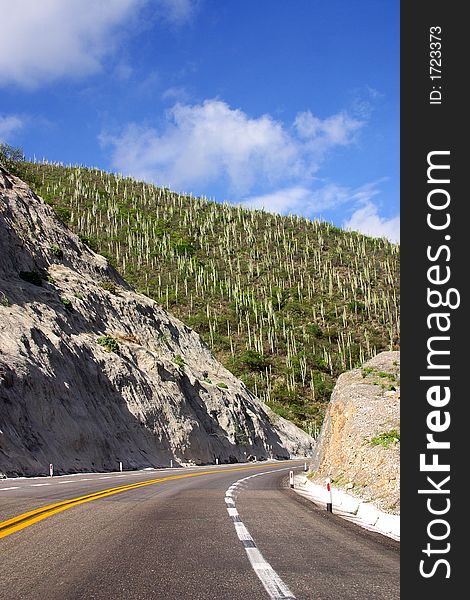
{"x": 178, "y": 360}
{"x": 56, "y": 251}
{"x": 386, "y": 439}
{"x": 387, "y": 381}
{"x": 109, "y": 286}
{"x": 285, "y": 303}
{"x": 222, "y": 385}
{"x": 340, "y": 480}
{"x": 67, "y": 303}
{"x": 254, "y": 360}
{"x": 109, "y": 343}
{"x": 63, "y": 213}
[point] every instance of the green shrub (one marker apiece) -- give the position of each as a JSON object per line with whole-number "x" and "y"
{"x": 254, "y": 360}
{"x": 222, "y": 385}
{"x": 279, "y": 298}
{"x": 67, "y": 303}
{"x": 56, "y": 251}
{"x": 383, "y": 374}
{"x": 109, "y": 286}
{"x": 315, "y": 330}
{"x": 90, "y": 241}
{"x": 279, "y": 409}
{"x": 109, "y": 257}
{"x": 178, "y": 360}
{"x": 183, "y": 247}
{"x": 63, "y": 213}
{"x": 386, "y": 439}
{"x": 357, "y": 307}
{"x": 108, "y": 343}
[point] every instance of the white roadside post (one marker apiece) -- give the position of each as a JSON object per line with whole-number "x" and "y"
{"x": 216, "y": 461}
{"x": 120, "y": 466}
{"x": 51, "y": 469}
{"x": 291, "y": 479}
{"x": 171, "y": 463}
{"x": 305, "y": 466}
{"x": 329, "y": 505}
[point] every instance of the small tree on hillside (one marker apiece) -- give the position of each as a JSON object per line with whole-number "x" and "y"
{"x": 10, "y": 155}
{"x": 11, "y": 158}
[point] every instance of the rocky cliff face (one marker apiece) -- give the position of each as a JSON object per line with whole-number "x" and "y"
{"x": 359, "y": 446}
{"x": 92, "y": 373}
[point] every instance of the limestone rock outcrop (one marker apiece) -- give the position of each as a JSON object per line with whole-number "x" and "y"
{"x": 93, "y": 373}
{"x": 359, "y": 444}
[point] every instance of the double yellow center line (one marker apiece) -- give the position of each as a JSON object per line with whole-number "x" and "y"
{"x": 29, "y": 518}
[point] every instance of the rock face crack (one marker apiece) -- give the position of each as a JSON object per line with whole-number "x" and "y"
{"x": 68, "y": 400}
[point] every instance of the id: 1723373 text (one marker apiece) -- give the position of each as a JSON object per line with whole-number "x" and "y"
{"x": 435, "y": 64}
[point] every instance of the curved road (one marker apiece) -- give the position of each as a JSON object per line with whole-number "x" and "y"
{"x": 174, "y": 539}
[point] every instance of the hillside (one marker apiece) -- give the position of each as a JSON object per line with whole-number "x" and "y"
{"x": 285, "y": 303}
{"x": 93, "y": 373}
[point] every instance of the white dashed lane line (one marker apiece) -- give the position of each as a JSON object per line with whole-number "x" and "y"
{"x": 2, "y": 489}
{"x": 271, "y": 581}
{"x": 39, "y": 484}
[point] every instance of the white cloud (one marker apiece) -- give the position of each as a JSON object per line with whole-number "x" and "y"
{"x": 300, "y": 200}
{"x": 367, "y": 220}
{"x": 335, "y": 130}
{"x": 313, "y": 203}
{"x": 43, "y": 40}
{"x": 285, "y": 201}
{"x": 310, "y": 201}
{"x": 205, "y": 143}
{"x": 52, "y": 38}
{"x": 9, "y": 125}
{"x": 210, "y": 142}
{"x": 319, "y": 136}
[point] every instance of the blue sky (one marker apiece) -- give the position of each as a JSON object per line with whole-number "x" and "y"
{"x": 289, "y": 105}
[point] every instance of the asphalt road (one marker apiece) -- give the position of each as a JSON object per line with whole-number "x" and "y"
{"x": 175, "y": 540}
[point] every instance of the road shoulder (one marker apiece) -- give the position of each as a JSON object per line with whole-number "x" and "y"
{"x": 349, "y": 507}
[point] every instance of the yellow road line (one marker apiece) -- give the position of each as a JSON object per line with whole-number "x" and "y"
{"x": 29, "y": 518}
